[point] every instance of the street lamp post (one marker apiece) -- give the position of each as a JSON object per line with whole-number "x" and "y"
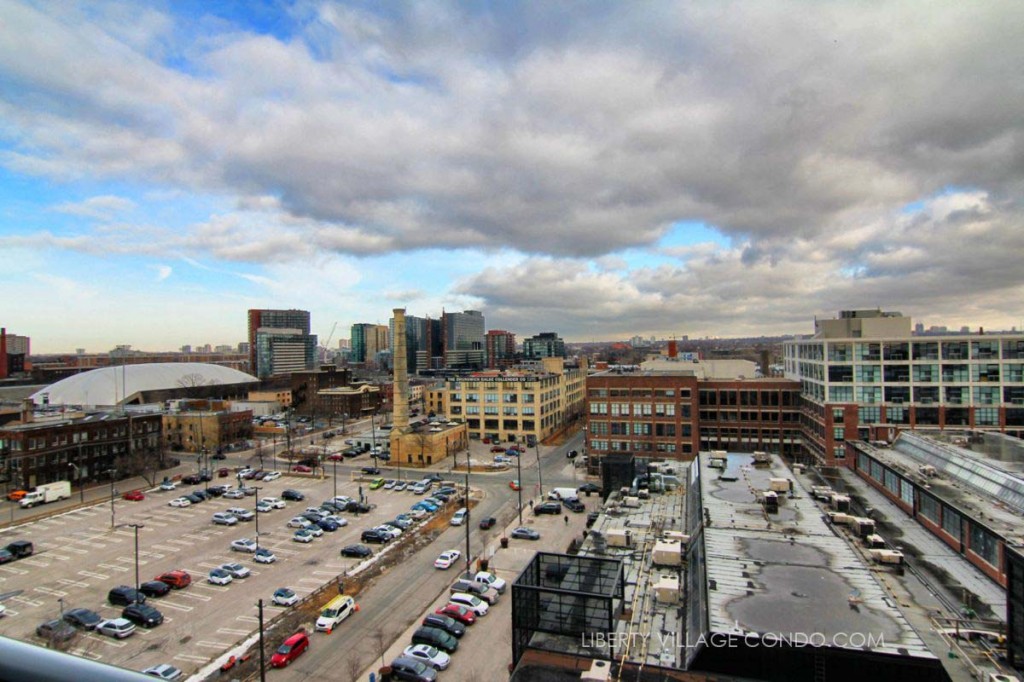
{"x": 540, "y": 474}
{"x": 111, "y": 472}
{"x": 136, "y": 526}
{"x": 519, "y": 468}
{"x": 466, "y": 520}
{"x": 256, "y": 511}
{"x": 335, "y": 467}
{"x": 78, "y": 477}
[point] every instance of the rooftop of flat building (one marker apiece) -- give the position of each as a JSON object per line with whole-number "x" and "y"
{"x": 790, "y": 573}
{"x": 702, "y": 369}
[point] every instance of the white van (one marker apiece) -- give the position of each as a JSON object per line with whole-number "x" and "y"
{"x": 562, "y": 493}
{"x": 335, "y": 611}
{"x": 460, "y": 516}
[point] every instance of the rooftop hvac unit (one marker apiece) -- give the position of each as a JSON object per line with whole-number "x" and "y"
{"x": 666, "y": 590}
{"x": 822, "y": 492}
{"x": 874, "y": 541}
{"x": 887, "y": 556}
{"x": 779, "y": 485}
{"x": 667, "y": 553}
{"x": 677, "y": 536}
{"x": 928, "y": 470}
{"x": 771, "y": 501}
{"x": 840, "y": 503}
{"x": 630, "y": 501}
{"x": 599, "y": 671}
{"x": 762, "y": 457}
{"x": 863, "y": 527}
{"x": 620, "y": 537}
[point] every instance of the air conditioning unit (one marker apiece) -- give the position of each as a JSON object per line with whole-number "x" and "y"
{"x": 599, "y": 671}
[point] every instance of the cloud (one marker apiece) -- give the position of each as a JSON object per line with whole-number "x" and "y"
{"x": 101, "y": 208}
{"x": 163, "y": 272}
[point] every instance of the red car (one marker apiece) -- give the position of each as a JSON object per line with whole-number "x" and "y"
{"x": 301, "y": 468}
{"x": 134, "y": 495}
{"x": 292, "y": 648}
{"x": 497, "y": 448}
{"x": 459, "y": 613}
{"x": 223, "y": 472}
{"x": 336, "y": 457}
{"x": 514, "y": 485}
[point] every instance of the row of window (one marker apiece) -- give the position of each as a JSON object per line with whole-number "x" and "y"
{"x": 506, "y": 411}
{"x": 492, "y": 397}
{"x": 638, "y": 446}
{"x": 684, "y": 393}
{"x": 839, "y": 351}
{"x": 639, "y": 409}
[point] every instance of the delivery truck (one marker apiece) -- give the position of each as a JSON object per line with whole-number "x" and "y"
{"x": 47, "y": 492}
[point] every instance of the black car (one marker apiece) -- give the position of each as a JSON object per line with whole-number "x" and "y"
{"x": 441, "y": 496}
{"x": 191, "y": 479}
{"x": 574, "y": 505}
{"x": 294, "y": 495}
{"x": 357, "y": 507}
{"x": 446, "y": 623}
{"x": 487, "y": 523}
{"x": 56, "y": 630}
{"x": 589, "y": 488}
{"x": 371, "y": 471}
{"x": 409, "y": 669}
{"x": 433, "y": 478}
{"x": 436, "y": 638}
{"x": 312, "y": 517}
{"x": 218, "y": 455}
{"x": 358, "y": 551}
{"x": 447, "y": 490}
{"x": 122, "y": 595}
{"x": 5, "y": 556}
{"x": 20, "y": 549}
{"x": 572, "y": 454}
{"x": 375, "y": 536}
{"x": 548, "y": 508}
{"x": 193, "y": 498}
{"x": 83, "y": 618}
{"x": 329, "y": 504}
{"x": 143, "y": 614}
{"x": 215, "y": 491}
{"x": 202, "y": 494}
{"x": 154, "y": 588}
{"x": 592, "y": 518}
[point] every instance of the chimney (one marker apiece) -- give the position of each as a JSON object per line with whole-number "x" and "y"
{"x": 400, "y": 420}
{"x": 27, "y": 411}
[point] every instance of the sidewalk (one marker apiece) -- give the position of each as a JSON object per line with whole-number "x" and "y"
{"x": 485, "y": 651}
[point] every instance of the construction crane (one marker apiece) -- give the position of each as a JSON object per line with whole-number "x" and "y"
{"x": 327, "y": 344}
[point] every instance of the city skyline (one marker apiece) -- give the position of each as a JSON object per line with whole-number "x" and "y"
{"x": 679, "y": 169}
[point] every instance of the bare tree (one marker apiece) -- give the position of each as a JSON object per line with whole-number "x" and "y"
{"x": 193, "y": 380}
{"x": 354, "y": 666}
{"x": 144, "y": 462}
{"x": 381, "y": 638}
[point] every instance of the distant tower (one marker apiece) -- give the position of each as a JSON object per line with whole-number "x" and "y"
{"x": 673, "y": 349}
{"x": 400, "y": 420}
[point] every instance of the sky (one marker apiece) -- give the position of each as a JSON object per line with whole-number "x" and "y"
{"x": 596, "y": 169}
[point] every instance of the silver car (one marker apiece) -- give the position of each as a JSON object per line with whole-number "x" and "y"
{"x": 118, "y": 628}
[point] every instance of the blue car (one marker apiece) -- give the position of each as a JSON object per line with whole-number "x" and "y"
{"x": 327, "y": 525}
{"x": 425, "y": 506}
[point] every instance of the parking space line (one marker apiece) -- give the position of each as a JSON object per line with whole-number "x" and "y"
{"x": 58, "y": 557}
{"x": 229, "y": 631}
{"x": 106, "y": 640}
{"x": 192, "y": 595}
{"x": 113, "y": 567}
{"x": 12, "y": 612}
{"x": 49, "y": 590}
{"x": 176, "y": 607}
{"x": 76, "y": 550}
{"x": 26, "y": 600}
{"x": 190, "y": 658}
{"x": 248, "y": 619}
{"x": 165, "y": 548}
{"x": 34, "y": 562}
{"x": 212, "y": 645}
{"x": 12, "y": 569}
{"x": 85, "y": 653}
{"x": 74, "y": 583}
{"x": 90, "y": 574}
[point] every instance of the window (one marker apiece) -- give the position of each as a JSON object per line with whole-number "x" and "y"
{"x": 472, "y": 409}
{"x": 985, "y": 545}
{"x": 951, "y": 522}
{"x": 595, "y": 408}
{"x": 929, "y": 508}
{"x": 490, "y": 397}
{"x": 907, "y": 492}
{"x": 870, "y": 415}
{"x": 620, "y": 409}
{"x": 838, "y": 433}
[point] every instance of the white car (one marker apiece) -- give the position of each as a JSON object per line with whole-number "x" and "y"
{"x": 432, "y": 656}
{"x": 314, "y": 530}
{"x": 417, "y": 513}
{"x": 390, "y": 530}
{"x": 341, "y": 500}
{"x": 219, "y": 576}
{"x": 389, "y": 484}
{"x": 264, "y": 556}
{"x": 263, "y": 507}
{"x": 275, "y": 502}
{"x": 118, "y": 628}
{"x": 179, "y": 502}
{"x": 234, "y": 494}
{"x": 300, "y": 522}
{"x": 241, "y": 514}
{"x": 446, "y": 559}
{"x": 474, "y": 604}
{"x": 164, "y": 671}
{"x": 224, "y": 519}
{"x": 236, "y": 570}
{"x": 272, "y": 476}
{"x": 243, "y": 545}
{"x": 285, "y": 597}
{"x": 167, "y": 485}
{"x": 337, "y": 519}
{"x": 3, "y": 610}
{"x": 303, "y": 535}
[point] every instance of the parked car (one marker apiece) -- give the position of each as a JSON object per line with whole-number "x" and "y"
{"x": 143, "y": 614}
{"x": 302, "y": 469}
{"x": 393, "y": 531}
{"x": 134, "y": 496}
{"x": 524, "y": 533}
{"x": 410, "y": 669}
{"x": 290, "y": 649}
{"x": 400, "y": 486}
{"x": 263, "y": 508}
{"x": 224, "y": 519}
{"x": 176, "y": 579}
{"x": 355, "y": 507}
{"x": 164, "y": 671}
{"x": 357, "y": 551}
{"x": 167, "y": 485}
{"x": 446, "y": 623}
{"x": 5, "y": 556}
{"x": 487, "y": 522}
{"x": 272, "y": 476}
{"x": 118, "y": 628}
{"x": 236, "y": 570}
{"x": 389, "y": 484}
{"x": 86, "y": 619}
{"x": 191, "y": 479}
{"x": 264, "y": 556}
{"x": 375, "y": 536}
{"x": 154, "y": 588}
{"x": 473, "y": 603}
{"x": 548, "y": 508}
{"x": 417, "y": 513}
{"x": 488, "y": 579}
{"x": 55, "y": 631}
{"x": 285, "y": 597}
{"x": 457, "y": 612}
{"x": 180, "y": 502}
{"x": 400, "y": 522}
{"x": 241, "y": 513}
{"x": 243, "y": 545}
{"x": 299, "y": 522}
{"x": 371, "y": 471}
{"x": 376, "y": 483}
{"x": 293, "y": 495}
{"x": 219, "y": 576}
{"x": 20, "y": 549}
{"x": 303, "y": 535}
{"x": 274, "y": 502}
{"x": 328, "y": 525}
{"x": 122, "y": 595}
{"x": 476, "y": 589}
{"x": 431, "y": 655}
{"x": 574, "y": 505}
{"x": 589, "y": 488}
{"x": 234, "y": 494}
{"x": 435, "y": 637}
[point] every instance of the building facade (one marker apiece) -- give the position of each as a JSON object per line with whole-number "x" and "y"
{"x": 677, "y": 415}
{"x": 205, "y": 425}
{"x": 865, "y": 373}
{"x": 368, "y": 340}
{"x": 14, "y": 354}
{"x": 463, "y": 339}
{"x": 517, "y": 406}
{"x": 280, "y": 342}
{"x": 501, "y": 349}
{"x": 543, "y": 345}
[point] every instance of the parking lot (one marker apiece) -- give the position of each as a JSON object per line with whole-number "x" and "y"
{"x": 79, "y": 557}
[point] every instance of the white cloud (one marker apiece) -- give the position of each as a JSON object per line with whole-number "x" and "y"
{"x": 101, "y": 208}
{"x": 163, "y": 272}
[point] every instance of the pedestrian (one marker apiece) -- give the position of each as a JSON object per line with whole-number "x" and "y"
{"x": 566, "y": 517}
{"x": 531, "y": 504}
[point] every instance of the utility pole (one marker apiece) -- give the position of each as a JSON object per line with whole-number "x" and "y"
{"x": 111, "y": 472}
{"x": 78, "y": 474}
{"x": 263, "y": 662}
{"x": 466, "y": 520}
{"x": 519, "y": 468}
{"x": 540, "y": 475}
{"x": 256, "y": 511}
{"x": 136, "y": 526}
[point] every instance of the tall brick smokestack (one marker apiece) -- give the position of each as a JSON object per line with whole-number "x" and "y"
{"x": 400, "y": 420}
